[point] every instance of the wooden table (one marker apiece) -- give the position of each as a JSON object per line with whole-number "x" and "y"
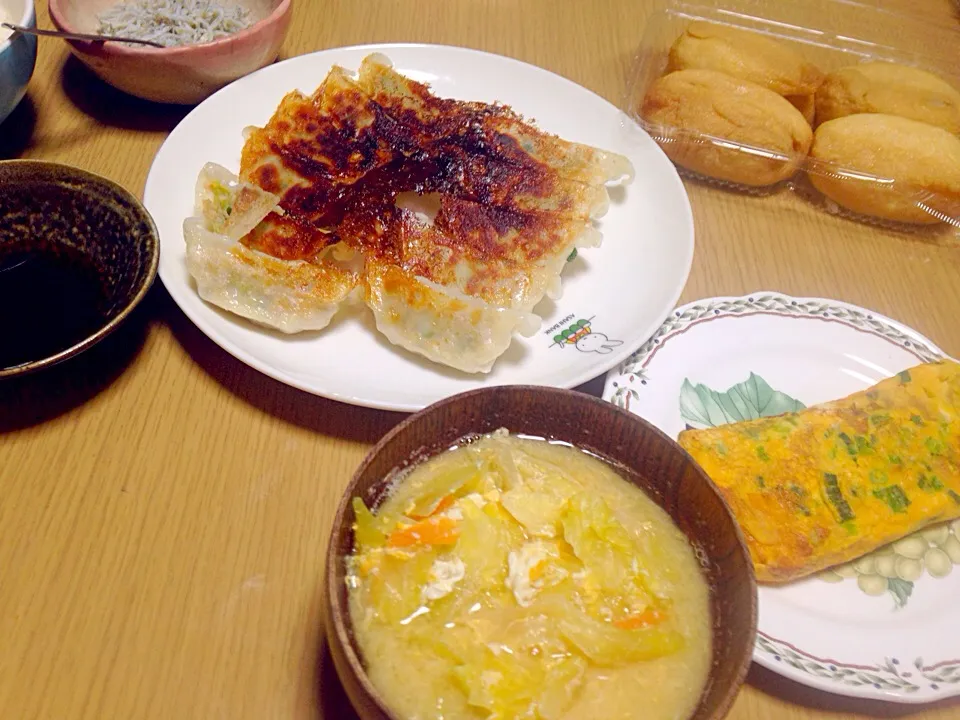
{"x": 164, "y": 509}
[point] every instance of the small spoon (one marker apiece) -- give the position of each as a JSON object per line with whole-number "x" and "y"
{"x": 78, "y": 36}
{"x": 8, "y": 264}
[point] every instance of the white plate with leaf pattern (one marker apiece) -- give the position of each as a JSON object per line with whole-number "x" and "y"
{"x": 613, "y": 296}
{"x": 886, "y": 627}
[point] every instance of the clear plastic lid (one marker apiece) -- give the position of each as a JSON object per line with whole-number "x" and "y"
{"x": 724, "y": 90}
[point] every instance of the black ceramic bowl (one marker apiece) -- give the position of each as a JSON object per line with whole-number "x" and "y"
{"x": 77, "y": 253}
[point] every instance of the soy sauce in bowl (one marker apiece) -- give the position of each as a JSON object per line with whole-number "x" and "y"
{"x": 77, "y": 254}
{"x": 50, "y": 299}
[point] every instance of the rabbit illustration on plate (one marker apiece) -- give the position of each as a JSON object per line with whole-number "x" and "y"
{"x": 598, "y": 343}
{"x": 583, "y": 338}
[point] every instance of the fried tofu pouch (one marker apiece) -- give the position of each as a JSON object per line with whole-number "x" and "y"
{"x": 830, "y": 483}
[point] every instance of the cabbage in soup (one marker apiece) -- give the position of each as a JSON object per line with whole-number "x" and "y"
{"x": 516, "y": 578}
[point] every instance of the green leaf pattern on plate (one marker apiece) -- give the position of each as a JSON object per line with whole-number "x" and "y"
{"x": 892, "y": 674}
{"x": 754, "y": 398}
{"x": 900, "y": 589}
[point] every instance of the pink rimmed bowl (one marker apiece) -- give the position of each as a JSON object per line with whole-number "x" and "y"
{"x": 181, "y": 75}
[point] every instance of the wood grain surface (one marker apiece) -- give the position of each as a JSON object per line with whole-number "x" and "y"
{"x": 164, "y": 509}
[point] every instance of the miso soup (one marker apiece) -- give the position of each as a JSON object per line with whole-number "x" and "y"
{"x": 517, "y": 578}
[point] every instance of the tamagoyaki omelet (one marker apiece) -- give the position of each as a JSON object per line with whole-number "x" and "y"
{"x": 830, "y": 483}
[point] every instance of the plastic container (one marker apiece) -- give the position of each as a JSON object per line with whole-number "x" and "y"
{"x": 843, "y": 33}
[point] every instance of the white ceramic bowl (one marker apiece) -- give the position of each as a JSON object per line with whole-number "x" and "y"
{"x": 18, "y": 54}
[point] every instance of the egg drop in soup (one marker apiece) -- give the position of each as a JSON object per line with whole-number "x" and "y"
{"x": 512, "y": 577}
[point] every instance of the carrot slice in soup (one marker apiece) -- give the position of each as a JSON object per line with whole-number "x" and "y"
{"x": 442, "y": 504}
{"x": 650, "y": 616}
{"x": 439, "y": 530}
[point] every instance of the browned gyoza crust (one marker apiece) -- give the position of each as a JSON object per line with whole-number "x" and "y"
{"x": 339, "y": 158}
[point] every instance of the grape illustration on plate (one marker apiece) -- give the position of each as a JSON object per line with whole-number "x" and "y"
{"x": 894, "y": 568}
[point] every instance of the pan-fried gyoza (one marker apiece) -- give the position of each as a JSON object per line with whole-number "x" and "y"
{"x": 450, "y": 220}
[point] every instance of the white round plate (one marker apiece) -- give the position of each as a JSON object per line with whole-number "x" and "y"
{"x": 621, "y": 291}
{"x": 902, "y": 645}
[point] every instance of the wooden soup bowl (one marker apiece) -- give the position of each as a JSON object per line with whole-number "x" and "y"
{"x": 640, "y": 452}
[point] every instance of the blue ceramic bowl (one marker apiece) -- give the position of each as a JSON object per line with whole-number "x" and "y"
{"x": 18, "y": 54}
